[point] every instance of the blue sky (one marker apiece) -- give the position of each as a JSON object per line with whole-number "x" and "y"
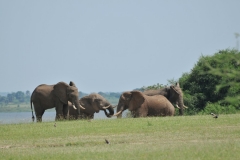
{"x": 109, "y": 45}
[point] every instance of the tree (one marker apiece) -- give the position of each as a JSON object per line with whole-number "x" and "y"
{"x": 20, "y": 96}
{"x": 28, "y": 93}
{"x": 213, "y": 79}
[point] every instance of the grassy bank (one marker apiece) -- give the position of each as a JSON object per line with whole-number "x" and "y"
{"x": 187, "y": 137}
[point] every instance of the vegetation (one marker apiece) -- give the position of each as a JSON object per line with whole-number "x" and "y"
{"x": 213, "y": 85}
{"x": 188, "y": 137}
{"x": 15, "y": 97}
{"x": 112, "y": 97}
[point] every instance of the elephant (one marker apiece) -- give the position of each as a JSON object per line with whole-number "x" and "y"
{"x": 173, "y": 94}
{"x": 49, "y": 96}
{"x": 92, "y": 103}
{"x": 141, "y": 105}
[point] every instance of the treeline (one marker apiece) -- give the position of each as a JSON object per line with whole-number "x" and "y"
{"x": 15, "y": 97}
{"x": 24, "y": 97}
{"x": 112, "y": 97}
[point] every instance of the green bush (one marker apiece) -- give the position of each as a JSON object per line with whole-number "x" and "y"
{"x": 213, "y": 79}
{"x": 218, "y": 109}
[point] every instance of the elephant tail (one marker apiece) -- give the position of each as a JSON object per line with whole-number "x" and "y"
{"x": 32, "y": 111}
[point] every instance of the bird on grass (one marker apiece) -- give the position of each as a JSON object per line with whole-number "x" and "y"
{"x": 55, "y": 125}
{"x": 214, "y": 115}
{"x": 107, "y": 141}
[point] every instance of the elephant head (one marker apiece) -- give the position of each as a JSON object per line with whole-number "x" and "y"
{"x": 175, "y": 95}
{"x": 65, "y": 93}
{"x": 131, "y": 101}
{"x": 100, "y": 103}
{"x": 95, "y": 102}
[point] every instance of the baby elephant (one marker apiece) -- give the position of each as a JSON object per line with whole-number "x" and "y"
{"x": 92, "y": 103}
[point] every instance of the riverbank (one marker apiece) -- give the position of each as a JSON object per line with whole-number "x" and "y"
{"x": 26, "y": 117}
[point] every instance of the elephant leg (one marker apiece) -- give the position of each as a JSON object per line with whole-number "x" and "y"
{"x": 59, "y": 113}
{"x": 133, "y": 114}
{"x": 65, "y": 111}
{"x": 80, "y": 116}
{"x": 39, "y": 113}
{"x": 91, "y": 116}
{"x": 181, "y": 111}
{"x": 142, "y": 112}
{"x": 39, "y": 118}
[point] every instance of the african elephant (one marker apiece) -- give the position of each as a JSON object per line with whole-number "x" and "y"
{"x": 173, "y": 94}
{"x": 50, "y": 96}
{"x": 141, "y": 105}
{"x": 92, "y": 103}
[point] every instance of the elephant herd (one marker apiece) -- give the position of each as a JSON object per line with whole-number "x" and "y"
{"x": 65, "y": 99}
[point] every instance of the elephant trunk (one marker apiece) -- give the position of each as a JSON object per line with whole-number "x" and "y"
{"x": 111, "y": 112}
{"x": 78, "y": 106}
{"x": 181, "y": 105}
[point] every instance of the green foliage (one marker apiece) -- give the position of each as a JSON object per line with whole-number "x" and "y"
{"x": 158, "y": 86}
{"x": 172, "y": 81}
{"x": 15, "y": 97}
{"x": 213, "y": 79}
{"x": 155, "y": 86}
{"x": 218, "y": 109}
{"x": 112, "y": 97}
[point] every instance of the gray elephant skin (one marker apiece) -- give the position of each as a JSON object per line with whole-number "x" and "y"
{"x": 49, "y": 96}
{"x": 141, "y": 105}
{"x": 92, "y": 103}
{"x": 173, "y": 94}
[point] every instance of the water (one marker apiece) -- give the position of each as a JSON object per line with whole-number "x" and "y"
{"x": 26, "y": 117}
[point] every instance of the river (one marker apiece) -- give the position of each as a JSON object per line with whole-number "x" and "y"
{"x": 26, "y": 117}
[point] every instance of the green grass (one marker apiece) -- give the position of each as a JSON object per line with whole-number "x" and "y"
{"x": 186, "y": 137}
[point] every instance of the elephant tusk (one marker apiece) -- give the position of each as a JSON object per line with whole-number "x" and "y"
{"x": 177, "y": 106}
{"x": 185, "y": 106}
{"x": 116, "y": 114}
{"x": 81, "y": 106}
{"x": 114, "y": 106}
{"x": 74, "y": 107}
{"x": 106, "y": 107}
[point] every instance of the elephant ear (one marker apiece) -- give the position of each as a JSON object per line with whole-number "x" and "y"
{"x": 72, "y": 84}
{"x": 60, "y": 91}
{"x": 84, "y": 101}
{"x": 126, "y": 96}
{"x": 137, "y": 100}
{"x": 95, "y": 102}
{"x": 177, "y": 85}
